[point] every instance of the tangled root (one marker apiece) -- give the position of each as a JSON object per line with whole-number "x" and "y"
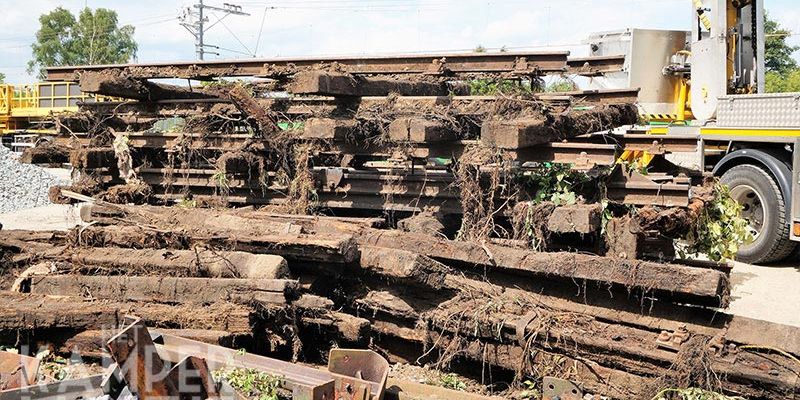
{"x": 482, "y": 190}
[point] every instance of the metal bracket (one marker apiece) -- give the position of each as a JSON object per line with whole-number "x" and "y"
{"x": 673, "y": 340}
{"x": 362, "y": 373}
{"x": 192, "y": 373}
{"x": 146, "y": 374}
{"x": 523, "y": 67}
{"x": 522, "y": 325}
{"x": 437, "y": 67}
{"x": 17, "y": 371}
{"x": 331, "y": 178}
{"x": 560, "y": 389}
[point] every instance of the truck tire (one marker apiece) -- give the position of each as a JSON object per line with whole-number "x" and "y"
{"x": 762, "y": 204}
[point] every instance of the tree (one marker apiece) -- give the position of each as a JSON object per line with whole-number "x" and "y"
{"x": 783, "y": 83}
{"x": 91, "y": 38}
{"x": 783, "y": 73}
{"x": 778, "y": 56}
{"x": 2, "y": 77}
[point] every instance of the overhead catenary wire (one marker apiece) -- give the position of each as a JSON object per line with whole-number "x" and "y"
{"x": 261, "y": 29}
{"x": 231, "y": 50}
{"x": 250, "y": 53}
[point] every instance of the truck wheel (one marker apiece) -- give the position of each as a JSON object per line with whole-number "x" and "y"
{"x": 762, "y": 205}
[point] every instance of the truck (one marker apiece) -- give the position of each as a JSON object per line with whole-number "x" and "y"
{"x": 709, "y": 84}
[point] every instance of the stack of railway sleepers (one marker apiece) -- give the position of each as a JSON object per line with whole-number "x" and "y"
{"x": 380, "y": 133}
{"x": 372, "y": 136}
{"x": 293, "y": 286}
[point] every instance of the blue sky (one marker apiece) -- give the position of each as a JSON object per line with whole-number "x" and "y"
{"x": 334, "y": 27}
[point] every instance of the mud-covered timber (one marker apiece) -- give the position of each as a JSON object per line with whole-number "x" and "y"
{"x": 618, "y": 349}
{"x": 117, "y": 86}
{"x": 523, "y": 63}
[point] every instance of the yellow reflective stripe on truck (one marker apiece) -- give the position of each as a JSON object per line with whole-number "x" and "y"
{"x": 762, "y": 132}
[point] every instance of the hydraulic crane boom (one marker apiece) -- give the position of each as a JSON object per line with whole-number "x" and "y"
{"x": 708, "y": 83}
{"x": 727, "y": 52}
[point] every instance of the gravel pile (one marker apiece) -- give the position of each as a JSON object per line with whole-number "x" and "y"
{"x": 23, "y": 185}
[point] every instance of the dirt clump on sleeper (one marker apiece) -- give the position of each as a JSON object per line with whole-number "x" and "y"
{"x": 46, "y": 153}
{"x": 136, "y": 192}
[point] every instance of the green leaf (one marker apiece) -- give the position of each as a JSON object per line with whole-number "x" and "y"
{"x": 720, "y": 230}
{"x": 94, "y": 37}
{"x": 569, "y": 198}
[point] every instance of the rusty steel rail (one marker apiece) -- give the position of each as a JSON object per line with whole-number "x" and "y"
{"x": 525, "y": 63}
{"x": 660, "y": 144}
{"x": 582, "y": 155}
{"x": 595, "y": 66}
{"x": 351, "y": 374}
{"x": 631, "y": 187}
{"x": 153, "y": 365}
{"x": 305, "y": 106}
{"x": 594, "y": 96}
{"x": 73, "y": 389}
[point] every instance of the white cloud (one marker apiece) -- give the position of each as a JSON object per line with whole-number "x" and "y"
{"x": 317, "y": 27}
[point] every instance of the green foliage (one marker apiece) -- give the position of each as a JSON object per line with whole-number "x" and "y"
{"x": 251, "y": 382}
{"x": 291, "y": 125}
{"x": 169, "y": 125}
{"x": 561, "y": 86}
{"x": 491, "y": 87}
{"x": 552, "y": 182}
{"x": 451, "y": 381}
{"x": 53, "y": 365}
{"x": 2, "y": 77}
{"x": 783, "y": 83}
{"x": 778, "y": 54}
{"x": 479, "y": 49}
{"x": 94, "y": 37}
{"x": 720, "y": 229}
{"x": 636, "y": 166}
{"x": 220, "y": 180}
{"x": 693, "y": 394}
{"x": 187, "y": 203}
{"x": 605, "y": 217}
{"x": 530, "y": 392}
{"x": 556, "y": 183}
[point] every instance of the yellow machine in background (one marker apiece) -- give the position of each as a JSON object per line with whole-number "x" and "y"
{"x": 26, "y": 111}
